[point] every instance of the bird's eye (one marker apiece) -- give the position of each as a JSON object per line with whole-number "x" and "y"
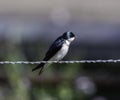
{"x": 71, "y": 34}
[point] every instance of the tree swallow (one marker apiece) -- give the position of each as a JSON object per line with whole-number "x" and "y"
{"x": 57, "y": 50}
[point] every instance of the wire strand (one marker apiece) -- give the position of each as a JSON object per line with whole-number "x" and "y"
{"x": 61, "y": 62}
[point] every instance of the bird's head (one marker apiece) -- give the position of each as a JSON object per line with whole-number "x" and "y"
{"x": 68, "y": 36}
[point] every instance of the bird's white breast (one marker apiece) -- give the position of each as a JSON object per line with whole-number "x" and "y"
{"x": 62, "y": 52}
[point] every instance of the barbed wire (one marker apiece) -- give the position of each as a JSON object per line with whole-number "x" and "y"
{"x": 61, "y": 62}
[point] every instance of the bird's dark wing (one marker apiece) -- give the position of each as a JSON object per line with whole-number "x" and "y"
{"x": 54, "y": 48}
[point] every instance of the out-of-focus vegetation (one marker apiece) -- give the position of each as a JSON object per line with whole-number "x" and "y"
{"x": 27, "y": 29}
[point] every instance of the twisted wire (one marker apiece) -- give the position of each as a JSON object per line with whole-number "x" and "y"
{"x": 61, "y": 62}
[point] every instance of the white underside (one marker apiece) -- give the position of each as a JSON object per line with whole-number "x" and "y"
{"x": 60, "y": 54}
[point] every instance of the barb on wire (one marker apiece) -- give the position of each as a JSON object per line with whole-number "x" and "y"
{"x": 71, "y": 62}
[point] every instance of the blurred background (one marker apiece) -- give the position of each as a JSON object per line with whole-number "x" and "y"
{"x": 28, "y": 27}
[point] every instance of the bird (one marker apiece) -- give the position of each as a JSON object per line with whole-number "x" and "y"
{"x": 58, "y": 50}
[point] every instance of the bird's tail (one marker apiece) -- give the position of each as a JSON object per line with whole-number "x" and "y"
{"x": 40, "y": 66}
